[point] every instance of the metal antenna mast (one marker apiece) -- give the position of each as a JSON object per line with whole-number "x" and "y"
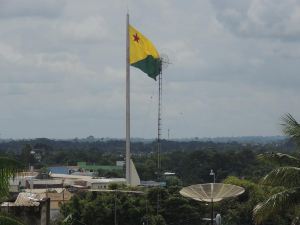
{"x": 159, "y": 122}
{"x": 164, "y": 62}
{"x": 159, "y": 137}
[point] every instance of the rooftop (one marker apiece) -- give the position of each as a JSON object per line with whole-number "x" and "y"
{"x": 26, "y": 199}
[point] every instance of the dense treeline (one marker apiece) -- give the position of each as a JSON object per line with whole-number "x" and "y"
{"x": 72, "y": 151}
{"x": 118, "y": 146}
{"x": 194, "y": 167}
{"x": 191, "y": 161}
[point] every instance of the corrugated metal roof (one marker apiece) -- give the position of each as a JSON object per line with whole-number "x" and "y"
{"x": 26, "y": 199}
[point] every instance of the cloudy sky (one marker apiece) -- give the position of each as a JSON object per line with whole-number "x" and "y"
{"x": 234, "y": 69}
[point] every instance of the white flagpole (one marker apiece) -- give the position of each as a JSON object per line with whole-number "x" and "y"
{"x": 128, "y": 155}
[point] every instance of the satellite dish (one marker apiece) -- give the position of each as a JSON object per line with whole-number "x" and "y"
{"x": 211, "y": 192}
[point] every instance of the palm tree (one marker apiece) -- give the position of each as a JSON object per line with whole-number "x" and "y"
{"x": 9, "y": 221}
{"x": 8, "y": 168}
{"x": 286, "y": 177}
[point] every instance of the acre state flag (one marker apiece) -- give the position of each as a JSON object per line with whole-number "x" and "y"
{"x": 143, "y": 54}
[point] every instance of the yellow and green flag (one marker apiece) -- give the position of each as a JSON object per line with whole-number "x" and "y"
{"x": 143, "y": 54}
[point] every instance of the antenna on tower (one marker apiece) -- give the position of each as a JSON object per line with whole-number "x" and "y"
{"x": 164, "y": 60}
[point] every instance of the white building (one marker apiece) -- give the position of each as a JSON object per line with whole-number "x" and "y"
{"x": 88, "y": 181}
{"x": 103, "y": 183}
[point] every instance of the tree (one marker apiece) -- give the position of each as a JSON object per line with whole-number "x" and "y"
{"x": 286, "y": 178}
{"x": 95, "y": 208}
{"x": 238, "y": 211}
{"x": 8, "y": 168}
{"x": 158, "y": 220}
{"x": 6, "y": 220}
{"x": 27, "y": 156}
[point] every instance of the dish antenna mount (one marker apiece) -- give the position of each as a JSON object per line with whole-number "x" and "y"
{"x": 211, "y": 192}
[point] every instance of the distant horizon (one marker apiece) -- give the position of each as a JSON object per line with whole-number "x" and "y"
{"x": 146, "y": 138}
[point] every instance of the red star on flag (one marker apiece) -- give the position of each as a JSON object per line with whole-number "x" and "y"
{"x": 136, "y": 38}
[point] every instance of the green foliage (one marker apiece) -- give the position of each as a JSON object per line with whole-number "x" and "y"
{"x": 284, "y": 196}
{"x": 93, "y": 208}
{"x": 291, "y": 127}
{"x": 27, "y": 157}
{"x": 239, "y": 211}
{"x": 99, "y": 208}
{"x": 277, "y": 202}
{"x": 157, "y": 220}
{"x": 8, "y": 220}
{"x": 55, "y": 152}
{"x": 178, "y": 210}
{"x": 106, "y": 173}
{"x": 173, "y": 181}
{"x": 287, "y": 178}
{"x": 8, "y": 168}
{"x": 44, "y": 170}
{"x": 279, "y": 159}
{"x": 194, "y": 167}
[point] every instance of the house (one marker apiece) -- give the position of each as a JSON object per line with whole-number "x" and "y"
{"x": 33, "y": 209}
{"x": 56, "y": 196}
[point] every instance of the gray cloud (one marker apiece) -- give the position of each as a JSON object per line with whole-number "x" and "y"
{"x": 256, "y": 18}
{"x": 63, "y": 67}
{"x": 31, "y": 8}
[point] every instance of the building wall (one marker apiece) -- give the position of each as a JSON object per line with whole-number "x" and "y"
{"x": 14, "y": 188}
{"x": 33, "y": 215}
{"x": 43, "y": 186}
{"x": 57, "y": 198}
{"x": 99, "y": 186}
